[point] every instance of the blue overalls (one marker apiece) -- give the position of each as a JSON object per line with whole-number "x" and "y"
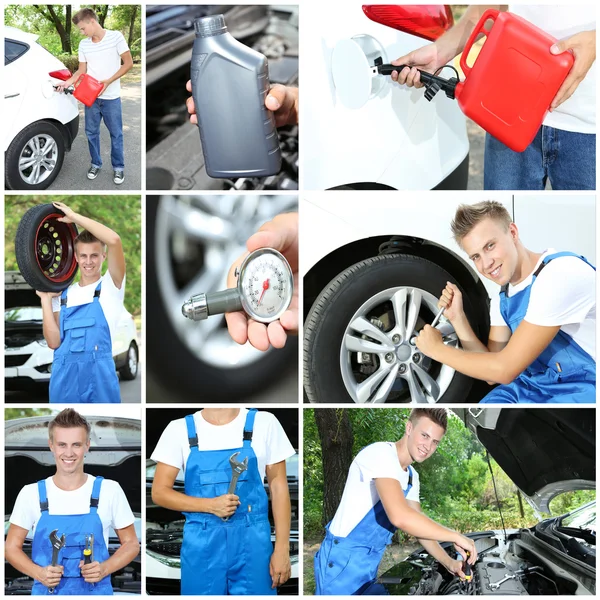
{"x": 226, "y": 557}
{"x": 75, "y": 528}
{"x": 563, "y": 372}
{"x": 348, "y": 565}
{"x": 83, "y": 370}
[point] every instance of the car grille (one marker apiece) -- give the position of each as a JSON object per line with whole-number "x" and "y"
{"x": 166, "y": 548}
{"x": 16, "y": 360}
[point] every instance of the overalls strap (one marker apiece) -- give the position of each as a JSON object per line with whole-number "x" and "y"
{"x": 95, "y": 494}
{"x": 97, "y": 291}
{"x": 249, "y": 427}
{"x": 410, "y": 478}
{"x": 43, "y": 496}
{"x": 191, "y": 431}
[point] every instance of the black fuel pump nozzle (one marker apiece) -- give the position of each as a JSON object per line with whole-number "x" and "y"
{"x": 433, "y": 84}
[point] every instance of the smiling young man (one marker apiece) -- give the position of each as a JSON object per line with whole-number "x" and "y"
{"x": 78, "y": 506}
{"x": 541, "y": 345}
{"x": 380, "y": 496}
{"x": 81, "y": 322}
{"x": 100, "y": 55}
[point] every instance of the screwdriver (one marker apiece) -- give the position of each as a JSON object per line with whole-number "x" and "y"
{"x": 467, "y": 569}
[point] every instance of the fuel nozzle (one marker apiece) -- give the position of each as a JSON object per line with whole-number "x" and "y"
{"x": 433, "y": 83}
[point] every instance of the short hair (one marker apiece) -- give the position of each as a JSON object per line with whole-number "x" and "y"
{"x": 85, "y": 14}
{"x": 438, "y": 415}
{"x": 68, "y": 418}
{"x": 85, "y": 237}
{"x": 469, "y": 215}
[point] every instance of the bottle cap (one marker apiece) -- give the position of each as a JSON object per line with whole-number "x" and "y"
{"x": 209, "y": 26}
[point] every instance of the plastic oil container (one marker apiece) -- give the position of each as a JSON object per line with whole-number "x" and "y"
{"x": 513, "y": 80}
{"x": 87, "y": 90}
{"x": 229, "y": 84}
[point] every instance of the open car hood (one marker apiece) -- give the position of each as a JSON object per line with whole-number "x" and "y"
{"x": 545, "y": 452}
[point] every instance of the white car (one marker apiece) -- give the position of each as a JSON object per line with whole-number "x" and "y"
{"x": 27, "y": 357}
{"x": 377, "y": 262}
{"x": 40, "y": 124}
{"x": 368, "y": 132}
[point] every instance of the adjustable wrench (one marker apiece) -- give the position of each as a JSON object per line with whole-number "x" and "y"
{"x": 237, "y": 468}
{"x": 57, "y": 544}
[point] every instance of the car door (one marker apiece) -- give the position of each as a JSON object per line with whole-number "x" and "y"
{"x": 15, "y": 84}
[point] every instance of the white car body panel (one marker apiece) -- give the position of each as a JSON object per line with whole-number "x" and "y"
{"x": 335, "y": 219}
{"x": 28, "y": 76}
{"x": 397, "y": 138}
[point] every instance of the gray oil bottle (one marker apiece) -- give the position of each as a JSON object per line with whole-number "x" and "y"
{"x": 229, "y": 84}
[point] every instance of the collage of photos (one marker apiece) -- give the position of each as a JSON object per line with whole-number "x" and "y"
{"x": 363, "y": 364}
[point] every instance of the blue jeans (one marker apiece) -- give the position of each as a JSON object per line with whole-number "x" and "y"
{"x": 110, "y": 111}
{"x": 566, "y": 158}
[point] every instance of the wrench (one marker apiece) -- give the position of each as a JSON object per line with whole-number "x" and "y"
{"x": 495, "y": 586}
{"x": 413, "y": 340}
{"x": 57, "y": 544}
{"x": 237, "y": 468}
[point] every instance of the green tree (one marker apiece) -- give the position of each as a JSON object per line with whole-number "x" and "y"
{"x": 21, "y": 413}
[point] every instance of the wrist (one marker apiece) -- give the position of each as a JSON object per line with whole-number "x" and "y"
{"x": 283, "y": 546}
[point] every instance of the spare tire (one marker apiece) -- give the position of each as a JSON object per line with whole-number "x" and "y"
{"x": 45, "y": 249}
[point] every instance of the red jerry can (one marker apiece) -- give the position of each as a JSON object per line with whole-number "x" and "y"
{"x": 512, "y": 82}
{"x": 87, "y": 89}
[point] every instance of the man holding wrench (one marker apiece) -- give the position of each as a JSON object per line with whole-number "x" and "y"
{"x": 541, "y": 345}
{"x": 225, "y": 454}
{"x": 64, "y": 511}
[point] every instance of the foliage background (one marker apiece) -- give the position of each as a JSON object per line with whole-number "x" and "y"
{"x": 52, "y": 22}
{"x": 123, "y": 214}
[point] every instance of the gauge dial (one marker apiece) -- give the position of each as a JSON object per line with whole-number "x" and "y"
{"x": 265, "y": 285}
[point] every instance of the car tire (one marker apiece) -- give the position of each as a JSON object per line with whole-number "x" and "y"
{"x": 177, "y": 369}
{"x": 129, "y": 370}
{"x": 45, "y": 250}
{"x": 51, "y": 132}
{"x": 333, "y": 309}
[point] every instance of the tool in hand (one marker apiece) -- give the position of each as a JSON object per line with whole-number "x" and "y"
{"x": 57, "y": 544}
{"x": 88, "y": 552}
{"x": 467, "y": 567}
{"x": 237, "y": 468}
{"x": 264, "y": 290}
{"x": 433, "y": 323}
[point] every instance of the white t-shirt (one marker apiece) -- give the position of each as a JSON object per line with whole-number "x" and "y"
{"x": 111, "y": 300}
{"x": 103, "y": 59}
{"x": 564, "y": 293}
{"x": 269, "y": 441}
{"x": 578, "y": 113}
{"x": 113, "y": 508}
{"x": 379, "y": 460}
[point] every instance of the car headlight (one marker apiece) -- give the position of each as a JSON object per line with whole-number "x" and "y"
{"x": 47, "y": 368}
{"x": 43, "y": 342}
{"x": 169, "y": 561}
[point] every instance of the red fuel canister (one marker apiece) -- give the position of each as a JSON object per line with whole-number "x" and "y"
{"x": 87, "y": 89}
{"x": 512, "y": 82}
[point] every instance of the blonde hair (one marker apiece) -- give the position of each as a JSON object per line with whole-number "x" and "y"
{"x": 467, "y": 216}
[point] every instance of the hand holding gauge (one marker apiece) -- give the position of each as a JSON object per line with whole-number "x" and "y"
{"x": 261, "y": 305}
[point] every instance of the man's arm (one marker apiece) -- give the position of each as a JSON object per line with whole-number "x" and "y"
{"x": 50, "y": 323}
{"x": 116, "y": 258}
{"x": 127, "y": 64}
{"x": 81, "y": 70}
{"x": 163, "y": 494}
{"x": 127, "y": 551}
{"x": 415, "y": 523}
{"x": 434, "y": 549}
{"x": 13, "y": 551}
{"x": 280, "y": 567}
{"x": 524, "y": 346}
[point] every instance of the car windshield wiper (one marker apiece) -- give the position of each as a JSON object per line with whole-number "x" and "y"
{"x": 587, "y": 535}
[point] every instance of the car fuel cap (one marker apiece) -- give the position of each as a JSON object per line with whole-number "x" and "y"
{"x": 351, "y": 74}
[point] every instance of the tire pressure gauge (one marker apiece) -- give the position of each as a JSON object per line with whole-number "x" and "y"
{"x": 265, "y": 285}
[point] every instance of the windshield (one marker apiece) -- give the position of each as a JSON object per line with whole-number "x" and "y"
{"x": 22, "y": 314}
{"x": 582, "y": 518}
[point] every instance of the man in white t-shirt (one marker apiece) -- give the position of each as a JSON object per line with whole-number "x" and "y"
{"x": 564, "y": 149}
{"x": 227, "y": 546}
{"x": 82, "y": 508}
{"x": 380, "y": 496}
{"x": 100, "y": 56}
{"x": 541, "y": 345}
{"x": 81, "y": 322}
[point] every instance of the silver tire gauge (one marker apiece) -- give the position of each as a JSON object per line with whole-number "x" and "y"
{"x": 265, "y": 286}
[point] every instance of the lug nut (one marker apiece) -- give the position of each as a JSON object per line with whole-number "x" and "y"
{"x": 389, "y": 357}
{"x": 402, "y": 369}
{"x": 416, "y": 357}
{"x": 396, "y": 339}
{"x": 413, "y": 340}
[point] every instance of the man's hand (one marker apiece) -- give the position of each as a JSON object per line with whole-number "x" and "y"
{"x": 48, "y": 295}
{"x": 92, "y": 572}
{"x": 451, "y": 300}
{"x": 61, "y": 87}
{"x": 225, "y": 505}
{"x": 429, "y": 341}
{"x": 50, "y": 576}
{"x": 426, "y": 58}
{"x": 281, "y": 100}
{"x": 463, "y": 545}
{"x": 105, "y": 83}
{"x": 70, "y": 215}
{"x": 455, "y": 567}
{"x": 280, "y": 567}
{"x": 583, "y": 47}
{"x": 281, "y": 234}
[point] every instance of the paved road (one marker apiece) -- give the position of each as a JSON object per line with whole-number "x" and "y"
{"x": 77, "y": 161}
